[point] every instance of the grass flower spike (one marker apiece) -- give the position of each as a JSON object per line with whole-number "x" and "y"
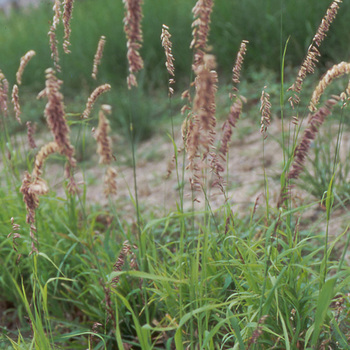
{"x": 104, "y": 143}
{"x": 16, "y": 105}
{"x": 167, "y": 45}
{"x": 4, "y": 87}
{"x": 98, "y": 56}
{"x": 133, "y": 32}
{"x": 55, "y": 116}
{"x": 265, "y": 110}
{"x": 52, "y": 34}
{"x": 201, "y": 26}
{"x": 104, "y": 149}
{"x": 24, "y": 61}
{"x": 66, "y": 18}
{"x": 336, "y": 71}
{"x": 313, "y": 53}
{"x": 30, "y": 134}
{"x": 93, "y": 97}
{"x": 239, "y": 62}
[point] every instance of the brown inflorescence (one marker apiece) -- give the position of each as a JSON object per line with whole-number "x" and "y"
{"x": 265, "y": 110}
{"x": 257, "y": 332}
{"x": 118, "y": 266}
{"x": 336, "y": 71}
{"x": 16, "y": 105}
{"x": 23, "y": 63}
{"x": 66, "y": 18}
{"x": 98, "y": 56}
{"x": 104, "y": 149}
{"x": 201, "y": 26}
{"x": 4, "y": 88}
{"x": 110, "y": 183}
{"x": 57, "y": 13}
{"x": 233, "y": 117}
{"x": 33, "y": 186}
{"x": 43, "y": 154}
{"x": 167, "y": 45}
{"x": 52, "y": 34}
{"x": 30, "y": 134}
{"x": 301, "y": 151}
{"x": 54, "y": 49}
{"x": 93, "y": 97}
{"x": 55, "y": 115}
{"x": 239, "y": 61}
{"x": 315, "y": 121}
{"x": 133, "y": 31}
{"x": 104, "y": 144}
{"x": 201, "y": 127}
{"x": 237, "y": 103}
{"x": 313, "y": 53}
{"x": 15, "y": 235}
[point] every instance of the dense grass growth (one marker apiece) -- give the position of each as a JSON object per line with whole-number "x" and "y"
{"x": 77, "y": 274}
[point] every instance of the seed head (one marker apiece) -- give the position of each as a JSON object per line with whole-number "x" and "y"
{"x": 93, "y": 97}
{"x": 66, "y": 18}
{"x": 133, "y": 31}
{"x": 4, "y": 88}
{"x": 16, "y": 105}
{"x": 55, "y": 116}
{"x": 98, "y": 56}
{"x": 201, "y": 26}
{"x": 24, "y": 61}
{"x": 336, "y": 71}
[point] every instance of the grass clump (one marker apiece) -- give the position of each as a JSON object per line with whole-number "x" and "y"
{"x": 204, "y": 275}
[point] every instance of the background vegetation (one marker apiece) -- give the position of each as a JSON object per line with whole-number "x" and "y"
{"x": 260, "y": 22}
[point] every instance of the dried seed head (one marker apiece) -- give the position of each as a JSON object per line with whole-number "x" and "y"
{"x": 336, "y": 71}
{"x": 314, "y": 123}
{"x": 54, "y": 48}
{"x": 257, "y": 332}
{"x": 72, "y": 186}
{"x": 57, "y": 13}
{"x": 313, "y": 53}
{"x": 265, "y": 110}
{"x": 67, "y": 16}
{"x": 118, "y": 266}
{"x": 104, "y": 143}
{"x": 15, "y": 235}
{"x": 43, "y": 154}
{"x": 30, "y": 198}
{"x": 55, "y": 116}
{"x": 98, "y": 56}
{"x": 93, "y": 97}
{"x": 239, "y": 61}
{"x": 201, "y": 127}
{"x": 167, "y": 45}
{"x": 326, "y": 22}
{"x": 4, "y": 88}
{"x": 110, "y": 183}
{"x": 201, "y": 26}
{"x": 30, "y": 134}
{"x": 24, "y": 61}
{"x": 201, "y": 132}
{"x": 133, "y": 31}
{"x": 233, "y": 117}
{"x": 16, "y": 105}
